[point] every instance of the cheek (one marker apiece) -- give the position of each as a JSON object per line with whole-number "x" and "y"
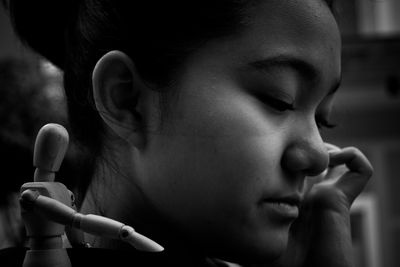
{"x": 211, "y": 189}
{"x": 198, "y": 181}
{"x": 221, "y": 148}
{"x": 207, "y": 176}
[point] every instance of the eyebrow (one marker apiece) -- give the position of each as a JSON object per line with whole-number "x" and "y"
{"x": 306, "y": 69}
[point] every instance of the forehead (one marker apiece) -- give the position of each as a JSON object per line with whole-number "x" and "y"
{"x": 305, "y": 29}
{"x": 299, "y": 21}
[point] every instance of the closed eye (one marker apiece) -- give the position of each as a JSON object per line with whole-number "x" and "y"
{"x": 275, "y": 103}
{"x": 324, "y": 123}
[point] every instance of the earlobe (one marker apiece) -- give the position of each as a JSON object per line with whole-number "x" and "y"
{"x": 116, "y": 92}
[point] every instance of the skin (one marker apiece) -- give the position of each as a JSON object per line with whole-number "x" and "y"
{"x": 199, "y": 178}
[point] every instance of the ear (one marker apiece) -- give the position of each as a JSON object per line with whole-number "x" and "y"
{"x": 117, "y": 89}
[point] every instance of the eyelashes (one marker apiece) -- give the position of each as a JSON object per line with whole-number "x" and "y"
{"x": 277, "y": 104}
{"x": 324, "y": 123}
{"x": 282, "y": 106}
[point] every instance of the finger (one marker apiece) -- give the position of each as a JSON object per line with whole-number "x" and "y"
{"x": 334, "y": 172}
{"x": 359, "y": 171}
{"x": 329, "y": 172}
{"x": 354, "y": 159}
{"x": 331, "y": 147}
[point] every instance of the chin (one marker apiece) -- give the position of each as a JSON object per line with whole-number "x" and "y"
{"x": 255, "y": 257}
{"x": 262, "y": 248}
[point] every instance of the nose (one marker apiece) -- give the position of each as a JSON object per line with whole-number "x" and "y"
{"x": 306, "y": 154}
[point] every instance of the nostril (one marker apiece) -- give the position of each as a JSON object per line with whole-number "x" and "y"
{"x": 294, "y": 160}
{"x": 316, "y": 171}
{"x": 306, "y": 159}
{"x": 318, "y": 163}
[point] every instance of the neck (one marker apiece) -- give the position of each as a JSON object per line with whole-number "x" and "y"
{"x": 115, "y": 195}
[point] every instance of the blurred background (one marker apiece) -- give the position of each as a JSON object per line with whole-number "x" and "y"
{"x": 367, "y": 113}
{"x": 31, "y": 96}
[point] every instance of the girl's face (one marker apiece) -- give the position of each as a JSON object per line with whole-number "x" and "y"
{"x": 242, "y": 134}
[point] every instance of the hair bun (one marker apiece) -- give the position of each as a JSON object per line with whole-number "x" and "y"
{"x": 42, "y": 24}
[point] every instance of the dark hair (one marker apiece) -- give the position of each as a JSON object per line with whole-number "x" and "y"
{"x": 157, "y": 35}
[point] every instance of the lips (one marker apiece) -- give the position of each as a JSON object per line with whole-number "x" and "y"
{"x": 292, "y": 200}
{"x": 286, "y": 207}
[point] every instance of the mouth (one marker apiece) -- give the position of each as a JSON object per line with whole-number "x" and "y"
{"x": 283, "y": 207}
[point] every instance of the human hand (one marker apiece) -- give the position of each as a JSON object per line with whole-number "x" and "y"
{"x": 337, "y": 187}
{"x": 323, "y": 224}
